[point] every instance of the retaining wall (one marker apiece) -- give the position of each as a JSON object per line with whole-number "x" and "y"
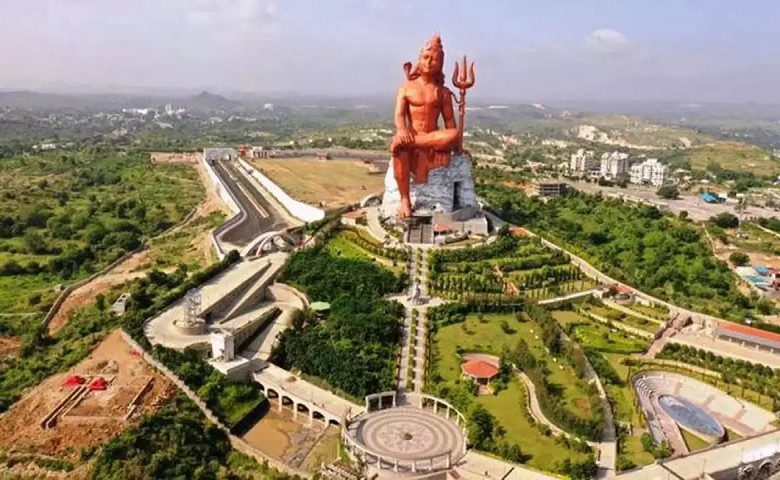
{"x": 302, "y": 211}
{"x": 236, "y": 442}
{"x": 229, "y": 200}
{"x": 70, "y": 288}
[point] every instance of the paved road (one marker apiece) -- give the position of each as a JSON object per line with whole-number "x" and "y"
{"x": 261, "y": 215}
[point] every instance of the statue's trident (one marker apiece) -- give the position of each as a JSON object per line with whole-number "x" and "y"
{"x": 463, "y": 79}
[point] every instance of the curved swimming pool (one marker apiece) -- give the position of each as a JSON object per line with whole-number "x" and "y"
{"x": 690, "y": 416}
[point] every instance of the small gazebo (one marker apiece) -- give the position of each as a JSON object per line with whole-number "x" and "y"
{"x": 481, "y": 372}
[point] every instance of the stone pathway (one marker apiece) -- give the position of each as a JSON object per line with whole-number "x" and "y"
{"x": 418, "y": 274}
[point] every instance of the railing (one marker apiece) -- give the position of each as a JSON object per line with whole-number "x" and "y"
{"x": 441, "y": 461}
{"x": 438, "y": 401}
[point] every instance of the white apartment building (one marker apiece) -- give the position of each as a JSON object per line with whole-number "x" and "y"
{"x": 583, "y": 161}
{"x": 614, "y": 164}
{"x": 650, "y": 171}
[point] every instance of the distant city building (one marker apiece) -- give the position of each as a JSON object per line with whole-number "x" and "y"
{"x": 260, "y": 152}
{"x": 583, "y": 161}
{"x": 614, "y": 164}
{"x": 549, "y": 189}
{"x": 45, "y": 147}
{"x": 268, "y": 106}
{"x": 650, "y": 171}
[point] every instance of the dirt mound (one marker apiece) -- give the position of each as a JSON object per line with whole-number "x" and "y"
{"x": 98, "y": 416}
{"x": 9, "y": 346}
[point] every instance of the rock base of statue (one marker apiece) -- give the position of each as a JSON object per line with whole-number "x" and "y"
{"x": 448, "y": 189}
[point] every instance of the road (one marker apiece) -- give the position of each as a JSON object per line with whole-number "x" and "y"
{"x": 261, "y": 215}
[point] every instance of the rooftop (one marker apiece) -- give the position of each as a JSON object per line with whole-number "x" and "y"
{"x": 479, "y": 369}
{"x": 745, "y": 331}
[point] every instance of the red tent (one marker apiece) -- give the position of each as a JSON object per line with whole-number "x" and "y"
{"x": 74, "y": 381}
{"x": 98, "y": 384}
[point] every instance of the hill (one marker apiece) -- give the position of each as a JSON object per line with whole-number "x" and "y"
{"x": 206, "y": 101}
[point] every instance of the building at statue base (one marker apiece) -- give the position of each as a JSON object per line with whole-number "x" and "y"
{"x": 445, "y": 205}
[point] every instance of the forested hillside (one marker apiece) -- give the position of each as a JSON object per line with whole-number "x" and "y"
{"x": 660, "y": 254}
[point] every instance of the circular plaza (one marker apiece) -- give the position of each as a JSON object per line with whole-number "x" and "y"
{"x": 423, "y": 438}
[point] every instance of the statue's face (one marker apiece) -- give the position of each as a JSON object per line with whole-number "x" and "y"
{"x": 430, "y": 62}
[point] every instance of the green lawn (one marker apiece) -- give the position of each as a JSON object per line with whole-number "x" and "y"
{"x": 653, "y": 312}
{"x": 693, "y": 442}
{"x": 545, "y": 451}
{"x": 632, "y": 448}
{"x": 619, "y": 346}
{"x": 487, "y": 336}
{"x": 757, "y": 241}
{"x": 600, "y": 337}
{"x": 340, "y": 245}
{"x": 621, "y": 317}
{"x": 567, "y": 317}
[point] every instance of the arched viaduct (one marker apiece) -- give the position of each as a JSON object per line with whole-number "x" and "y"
{"x": 276, "y": 392}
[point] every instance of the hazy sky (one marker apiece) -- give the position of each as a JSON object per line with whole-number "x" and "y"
{"x": 705, "y": 50}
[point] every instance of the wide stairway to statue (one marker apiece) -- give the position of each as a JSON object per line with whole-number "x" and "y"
{"x": 420, "y": 231}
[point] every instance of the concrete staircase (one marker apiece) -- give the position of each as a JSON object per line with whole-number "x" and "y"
{"x": 227, "y": 299}
{"x": 254, "y": 293}
{"x": 419, "y": 233}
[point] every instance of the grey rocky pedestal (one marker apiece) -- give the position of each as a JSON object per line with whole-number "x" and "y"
{"x": 449, "y": 188}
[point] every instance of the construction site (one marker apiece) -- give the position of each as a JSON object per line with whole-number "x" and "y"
{"x": 88, "y": 405}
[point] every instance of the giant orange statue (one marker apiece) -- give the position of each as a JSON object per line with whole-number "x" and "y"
{"x": 419, "y": 146}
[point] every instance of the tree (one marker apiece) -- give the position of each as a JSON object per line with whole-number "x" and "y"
{"x": 725, "y": 220}
{"x": 100, "y": 302}
{"x": 668, "y": 192}
{"x": 739, "y": 259}
{"x": 34, "y": 242}
{"x": 483, "y": 426}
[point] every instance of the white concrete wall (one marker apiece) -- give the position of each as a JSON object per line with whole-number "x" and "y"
{"x": 299, "y": 210}
{"x": 223, "y": 192}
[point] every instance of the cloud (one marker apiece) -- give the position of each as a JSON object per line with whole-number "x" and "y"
{"x": 606, "y": 41}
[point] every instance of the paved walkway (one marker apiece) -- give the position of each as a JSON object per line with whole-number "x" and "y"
{"x": 477, "y": 465}
{"x": 418, "y": 273}
{"x": 571, "y": 296}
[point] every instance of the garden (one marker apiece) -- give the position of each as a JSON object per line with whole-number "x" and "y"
{"x": 662, "y": 255}
{"x": 513, "y": 267}
{"x": 356, "y": 244}
{"x": 566, "y": 397}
